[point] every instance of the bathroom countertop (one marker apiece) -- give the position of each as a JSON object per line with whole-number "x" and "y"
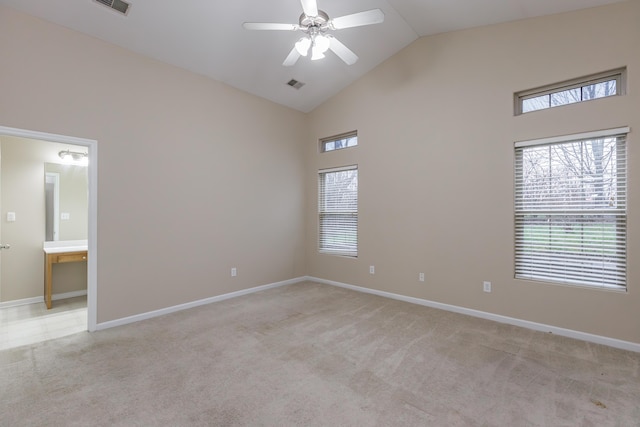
{"x": 65, "y": 246}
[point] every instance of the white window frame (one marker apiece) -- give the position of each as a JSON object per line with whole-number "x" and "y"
{"x": 345, "y": 224}
{"x": 325, "y": 143}
{"x": 541, "y": 265}
{"x": 619, "y": 75}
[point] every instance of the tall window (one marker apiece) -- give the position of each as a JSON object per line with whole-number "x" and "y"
{"x": 570, "y": 209}
{"x": 338, "y": 211}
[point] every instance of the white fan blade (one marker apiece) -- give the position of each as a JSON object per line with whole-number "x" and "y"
{"x": 310, "y": 7}
{"x": 292, "y": 58}
{"x": 342, "y": 51}
{"x": 368, "y": 17}
{"x": 270, "y": 26}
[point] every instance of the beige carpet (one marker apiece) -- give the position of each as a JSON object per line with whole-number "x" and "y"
{"x": 316, "y": 355}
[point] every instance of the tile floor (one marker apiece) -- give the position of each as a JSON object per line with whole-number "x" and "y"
{"x": 31, "y": 323}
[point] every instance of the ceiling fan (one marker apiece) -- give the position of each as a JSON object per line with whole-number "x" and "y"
{"x": 315, "y": 24}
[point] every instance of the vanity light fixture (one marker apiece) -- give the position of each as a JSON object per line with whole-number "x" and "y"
{"x": 74, "y": 156}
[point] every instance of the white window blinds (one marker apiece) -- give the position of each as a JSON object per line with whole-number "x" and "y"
{"x": 338, "y": 211}
{"x": 570, "y": 210}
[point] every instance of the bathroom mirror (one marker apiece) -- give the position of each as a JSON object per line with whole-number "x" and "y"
{"x": 66, "y": 202}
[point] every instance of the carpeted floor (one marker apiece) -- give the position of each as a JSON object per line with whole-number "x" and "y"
{"x": 316, "y": 355}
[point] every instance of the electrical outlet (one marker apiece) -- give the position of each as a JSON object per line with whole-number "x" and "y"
{"x": 486, "y": 286}
{"x": 421, "y": 277}
{"x": 234, "y": 272}
{"x": 372, "y": 269}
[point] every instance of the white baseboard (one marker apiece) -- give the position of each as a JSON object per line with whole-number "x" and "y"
{"x": 598, "y": 339}
{"x": 66, "y": 295}
{"x": 188, "y": 305}
{"x": 18, "y": 302}
{"x": 37, "y": 300}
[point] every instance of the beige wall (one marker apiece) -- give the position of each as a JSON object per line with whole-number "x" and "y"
{"x": 22, "y": 170}
{"x": 195, "y": 177}
{"x": 435, "y": 156}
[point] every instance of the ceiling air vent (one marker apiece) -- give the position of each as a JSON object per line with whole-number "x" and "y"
{"x": 117, "y": 5}
{"x": 295, "y": 84}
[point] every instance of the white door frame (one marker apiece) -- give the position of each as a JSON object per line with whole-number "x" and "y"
{"x": 92, "y": 237}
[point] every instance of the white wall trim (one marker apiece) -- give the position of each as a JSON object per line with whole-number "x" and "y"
{"x": 597, "y": 339}
{"x": 188, "y": 305}
{"x": 40, "y": 300}
{"x": 19, "y": 302}
{"x": 56, "y": 297}
{"x": 92, "y": 262}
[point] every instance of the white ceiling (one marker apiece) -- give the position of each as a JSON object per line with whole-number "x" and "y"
{"x": 206, "y": 36}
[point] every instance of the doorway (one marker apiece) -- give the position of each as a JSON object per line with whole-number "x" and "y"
{"x": 89, "y": 146}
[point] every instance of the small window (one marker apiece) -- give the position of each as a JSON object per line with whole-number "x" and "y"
{"x": 571, "y": 209}
{"x": 339, "y": 142}
{"x": 338, "y": 211}
{"x": 579, "y": 90}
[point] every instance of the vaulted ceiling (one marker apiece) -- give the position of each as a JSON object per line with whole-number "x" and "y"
{"x": 207, "y": 37}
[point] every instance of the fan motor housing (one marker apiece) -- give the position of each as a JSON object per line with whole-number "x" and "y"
{"x": 314, "y": 21}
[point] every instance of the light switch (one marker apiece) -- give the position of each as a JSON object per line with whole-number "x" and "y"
{"x": 65, "y": 216}
{"x": 11, "y": 216}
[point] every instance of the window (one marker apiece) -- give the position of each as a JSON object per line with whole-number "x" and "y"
{"x": 570, "y": 209}
{"x": 338, "y": 142}
{"x": 587, "y": 88}
{"x": 338, "y": 211}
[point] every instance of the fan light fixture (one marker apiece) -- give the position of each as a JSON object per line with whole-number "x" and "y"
{"x": 318, "y": 43}
{"x": 320, "y": 46}
{"x": 69, "y": 156}
{"x": 314, "y": 23}
{"x": 303, "y": 45}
